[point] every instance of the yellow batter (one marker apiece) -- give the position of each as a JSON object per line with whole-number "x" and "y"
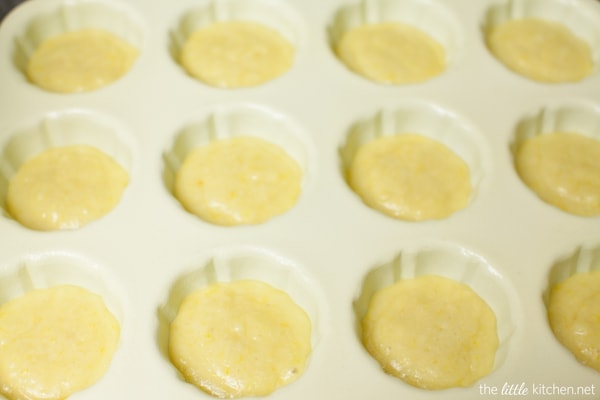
{"x": 54, "y": 342}
{"x": 391, "y": 52}
{"x": 574, "y": 315}
{"x": 236, "y": 54}
{"x": 65, "y": 188}
{"x": 240, "y": 339}
{"x": 564, "y": 170}
{"x": 431, "y": 332}
{"x": 410, "y": 177}
{"x": 240, "y": 180}
{"x": 542, "y": 50}
{"x": 80, "y": 61}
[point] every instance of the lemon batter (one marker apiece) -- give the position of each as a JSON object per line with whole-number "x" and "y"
{"x": 432, "y": 332}
{"x": 563, "y": 169}
{"x": 80, "y": 61}
{"x": 239, "y": 180}
{"x": 541, "y": 50}
{"x": 239, "y": 339}
{"x": 391, "y": 52}
{"x": 236, "y": 54}
{"x": 574, "y": 316}
{"x": 65, "y": 188}
{"x": 54, "y": 342}
{"x": 410, "y": 177}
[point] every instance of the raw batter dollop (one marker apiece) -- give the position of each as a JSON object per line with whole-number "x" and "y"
{"x": 432, "y": 332}
{"x": 80, "y": 61}
{"x": 239, "y": 180}
{"x": 574, "y": 316}
{"x": 563, "y": 169}
{"x": 410, "y": 177}
{"x": 544, "y": 51}
{"x": 391, "y": 52}
{"x": 54, "y": 342}
{"x": 236, "y": 54}
{"x": 239, "y": 339}
{"x": 65, "y": 188}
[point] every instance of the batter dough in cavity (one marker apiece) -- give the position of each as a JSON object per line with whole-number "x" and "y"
{"x": 391, "y": 52}
{"x": 65, "y": 188}
{"x": 239, "y": 339}
{"x": 574, "y": 316}
{"x": 545, "y": 51}
{"x": 80, "y": 61}
{"x": 410, "y": 177}
{"x": 236, "y": 54}
{"x": 563, "y": 169}
{"x": 431, "y": 332}
{"x": 239, "y": 180}
{"x": 54, "y": 342}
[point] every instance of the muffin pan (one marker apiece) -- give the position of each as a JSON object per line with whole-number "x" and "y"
{"x": 148, "y": 251}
